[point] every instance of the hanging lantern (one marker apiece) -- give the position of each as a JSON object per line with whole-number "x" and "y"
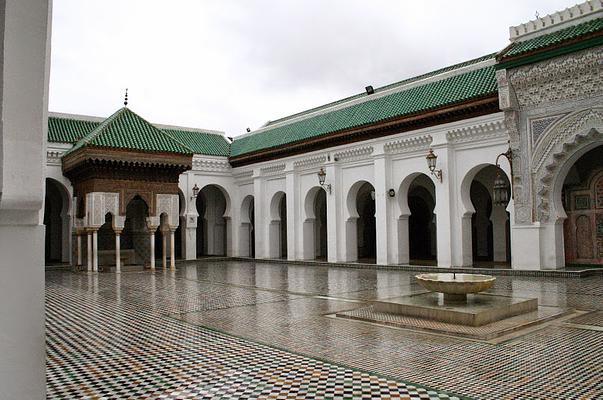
{"x": 501, "y": 191}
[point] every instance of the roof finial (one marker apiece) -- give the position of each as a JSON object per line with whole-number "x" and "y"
{"x": 126, "y": 98}
{"x": 537, "y": 14}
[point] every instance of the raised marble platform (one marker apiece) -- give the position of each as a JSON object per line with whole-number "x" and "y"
{"x": 480, "y": 309}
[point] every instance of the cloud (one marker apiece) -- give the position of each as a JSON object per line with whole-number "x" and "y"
{"x": 225, "y": 64}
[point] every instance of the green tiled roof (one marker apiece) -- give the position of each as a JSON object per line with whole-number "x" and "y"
{"x": 553, "y": 38}
{"x": 388, "y": 87}
{"x": 201, "y": 142}
{"x": 126, "y": 130}
{"x": 431, "y": 95}
{"x": 68, "y": 130}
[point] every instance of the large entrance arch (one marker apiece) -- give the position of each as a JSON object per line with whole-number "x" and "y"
{"x": 582, "y": 198}
{"x": 212, "y": 223}
{"x": 58, "y": 222}
{"x": 277, "y": 229}
{"x": 421, "y": 221}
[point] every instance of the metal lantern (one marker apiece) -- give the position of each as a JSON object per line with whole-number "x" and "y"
{"x": 195, "y": 191}
{"x": 321, "y": 176}
{"x": 501, "y": 192}
{"x": 431, "y": 160}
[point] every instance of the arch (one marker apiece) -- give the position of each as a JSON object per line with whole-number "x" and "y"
{"x": 559, "y": 148}
{"x": 485, "y": 234}
{"x": 213, "y": 222}
{"x": 247, "y": 228}
{"x": 180, "y": 234}
{"x": 360, "y": 232}
{"x": 314, "y": 232}
{"x": 277, "y": 229}
{"x": 57, "y": 218}
{"x": 134, "y": 240}
{"x": 417, "y": 237}
{"x": 582, "y": 202}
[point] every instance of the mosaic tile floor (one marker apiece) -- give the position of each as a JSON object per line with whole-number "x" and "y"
{"x": 143, "y": 335}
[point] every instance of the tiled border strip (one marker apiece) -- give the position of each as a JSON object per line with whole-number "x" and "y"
{"x": 413, "y": 268}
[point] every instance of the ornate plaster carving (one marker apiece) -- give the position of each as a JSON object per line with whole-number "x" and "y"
{"x": 53, "y": 157}
{"x": 477, "y": 132}
{"x": 353, "y": 154}
{"x": 170, "y": 205}
{"x": 558, "y": 143}
{"x": 539, "y": 125}
{"x": 575, "y": 76}
{"x": 407, "y": 144}
{"x": 310, "y": 161}
{"x": 98, "y": 204}
{"x": 273, "y": 169}
{"x": 210, "y": 165}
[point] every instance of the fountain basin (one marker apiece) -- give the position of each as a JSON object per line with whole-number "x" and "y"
{"x": 455, "y": 286}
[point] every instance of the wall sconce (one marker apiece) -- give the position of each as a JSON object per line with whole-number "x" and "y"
{"x": 321, "y": 179}
{"x": 195, "y": 192}
{"x": 431, "y": 164}
{"x": 500, "y": 190}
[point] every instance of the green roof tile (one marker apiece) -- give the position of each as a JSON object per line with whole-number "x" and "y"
{"x": 431, "y": 95}
{"x": 211, "y": 144}
{"x": 553, "y": 38}
{"x": 68, "y": 129}
{"x": 127, "y": 130}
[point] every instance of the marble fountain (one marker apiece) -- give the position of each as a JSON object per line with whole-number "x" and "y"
{"x": 457, "y": 299}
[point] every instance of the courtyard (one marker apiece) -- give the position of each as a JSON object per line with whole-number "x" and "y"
{"x": 234, "y": 329}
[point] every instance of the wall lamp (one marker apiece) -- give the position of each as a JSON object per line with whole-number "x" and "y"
{"x": 500, "y": 190}
{"x": 431, "y": 164}
{"x": 195, "y": 192}
{"x": 321, "y": 179}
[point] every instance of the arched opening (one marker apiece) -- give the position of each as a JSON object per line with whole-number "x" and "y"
{"x": 421, "y": 221}
{"x": 212, "y": 205}
{"x": 247, "y": 232}
{"x": 490, "y": 229}
{"x": 57, "y": 220}
{"x": 582, "y": 199}
{"x": 180, "y": 231}
{"x": 106, "y": 242}
{"x": 320, "y": 225}
{"x": 315, "y": 225}
{"x": 366, "y": 233}
{"x": 277, "y": 231}
{"x": 135, "y": 247}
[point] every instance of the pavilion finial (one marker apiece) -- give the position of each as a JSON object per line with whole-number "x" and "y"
{"x": 126, "y": 98}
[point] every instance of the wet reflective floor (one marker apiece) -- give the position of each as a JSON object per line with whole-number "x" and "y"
{"x": 258, "y": 330}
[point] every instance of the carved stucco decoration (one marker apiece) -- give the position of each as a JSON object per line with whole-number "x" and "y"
{"x": 170, "y": 205}
{"x": 576, "y": 76}
{"x": 98, "y": 204}
{"x": 558, "y": 143}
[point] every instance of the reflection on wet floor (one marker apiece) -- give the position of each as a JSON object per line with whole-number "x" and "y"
{"x": 286, "y": 306}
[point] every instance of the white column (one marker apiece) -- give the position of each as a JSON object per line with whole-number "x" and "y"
{"x": 332, "y": 178}
{"x": 385, "y": 254}
{"x": 445, "y": 210}
{"x": 172, "y": 249}
{"x": 117, "y": 252}
{"x": 293, "y": 214}
{"x": 190, "y": 237}
{"x": 95, "y": 250}
{"x": 262, "y": 244}
{"x": 499, "y": 233}
{"x": 89, "y": 250}
{"x": 79, "y": 249}
{"x": 152, "y": 238}
{"x": 164, "y": 248}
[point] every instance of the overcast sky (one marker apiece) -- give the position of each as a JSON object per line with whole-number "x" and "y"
{"x": 228, "y": 65}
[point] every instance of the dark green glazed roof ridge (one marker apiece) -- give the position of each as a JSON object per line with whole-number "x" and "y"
{"x": 201, "y": 142}
{"x": 553, "y": 38}
{"x": 387, "y": 87}
{"x": 69, "y": 129}
{"x": 127, "y": 130}
{"x": 432, "y": 95}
